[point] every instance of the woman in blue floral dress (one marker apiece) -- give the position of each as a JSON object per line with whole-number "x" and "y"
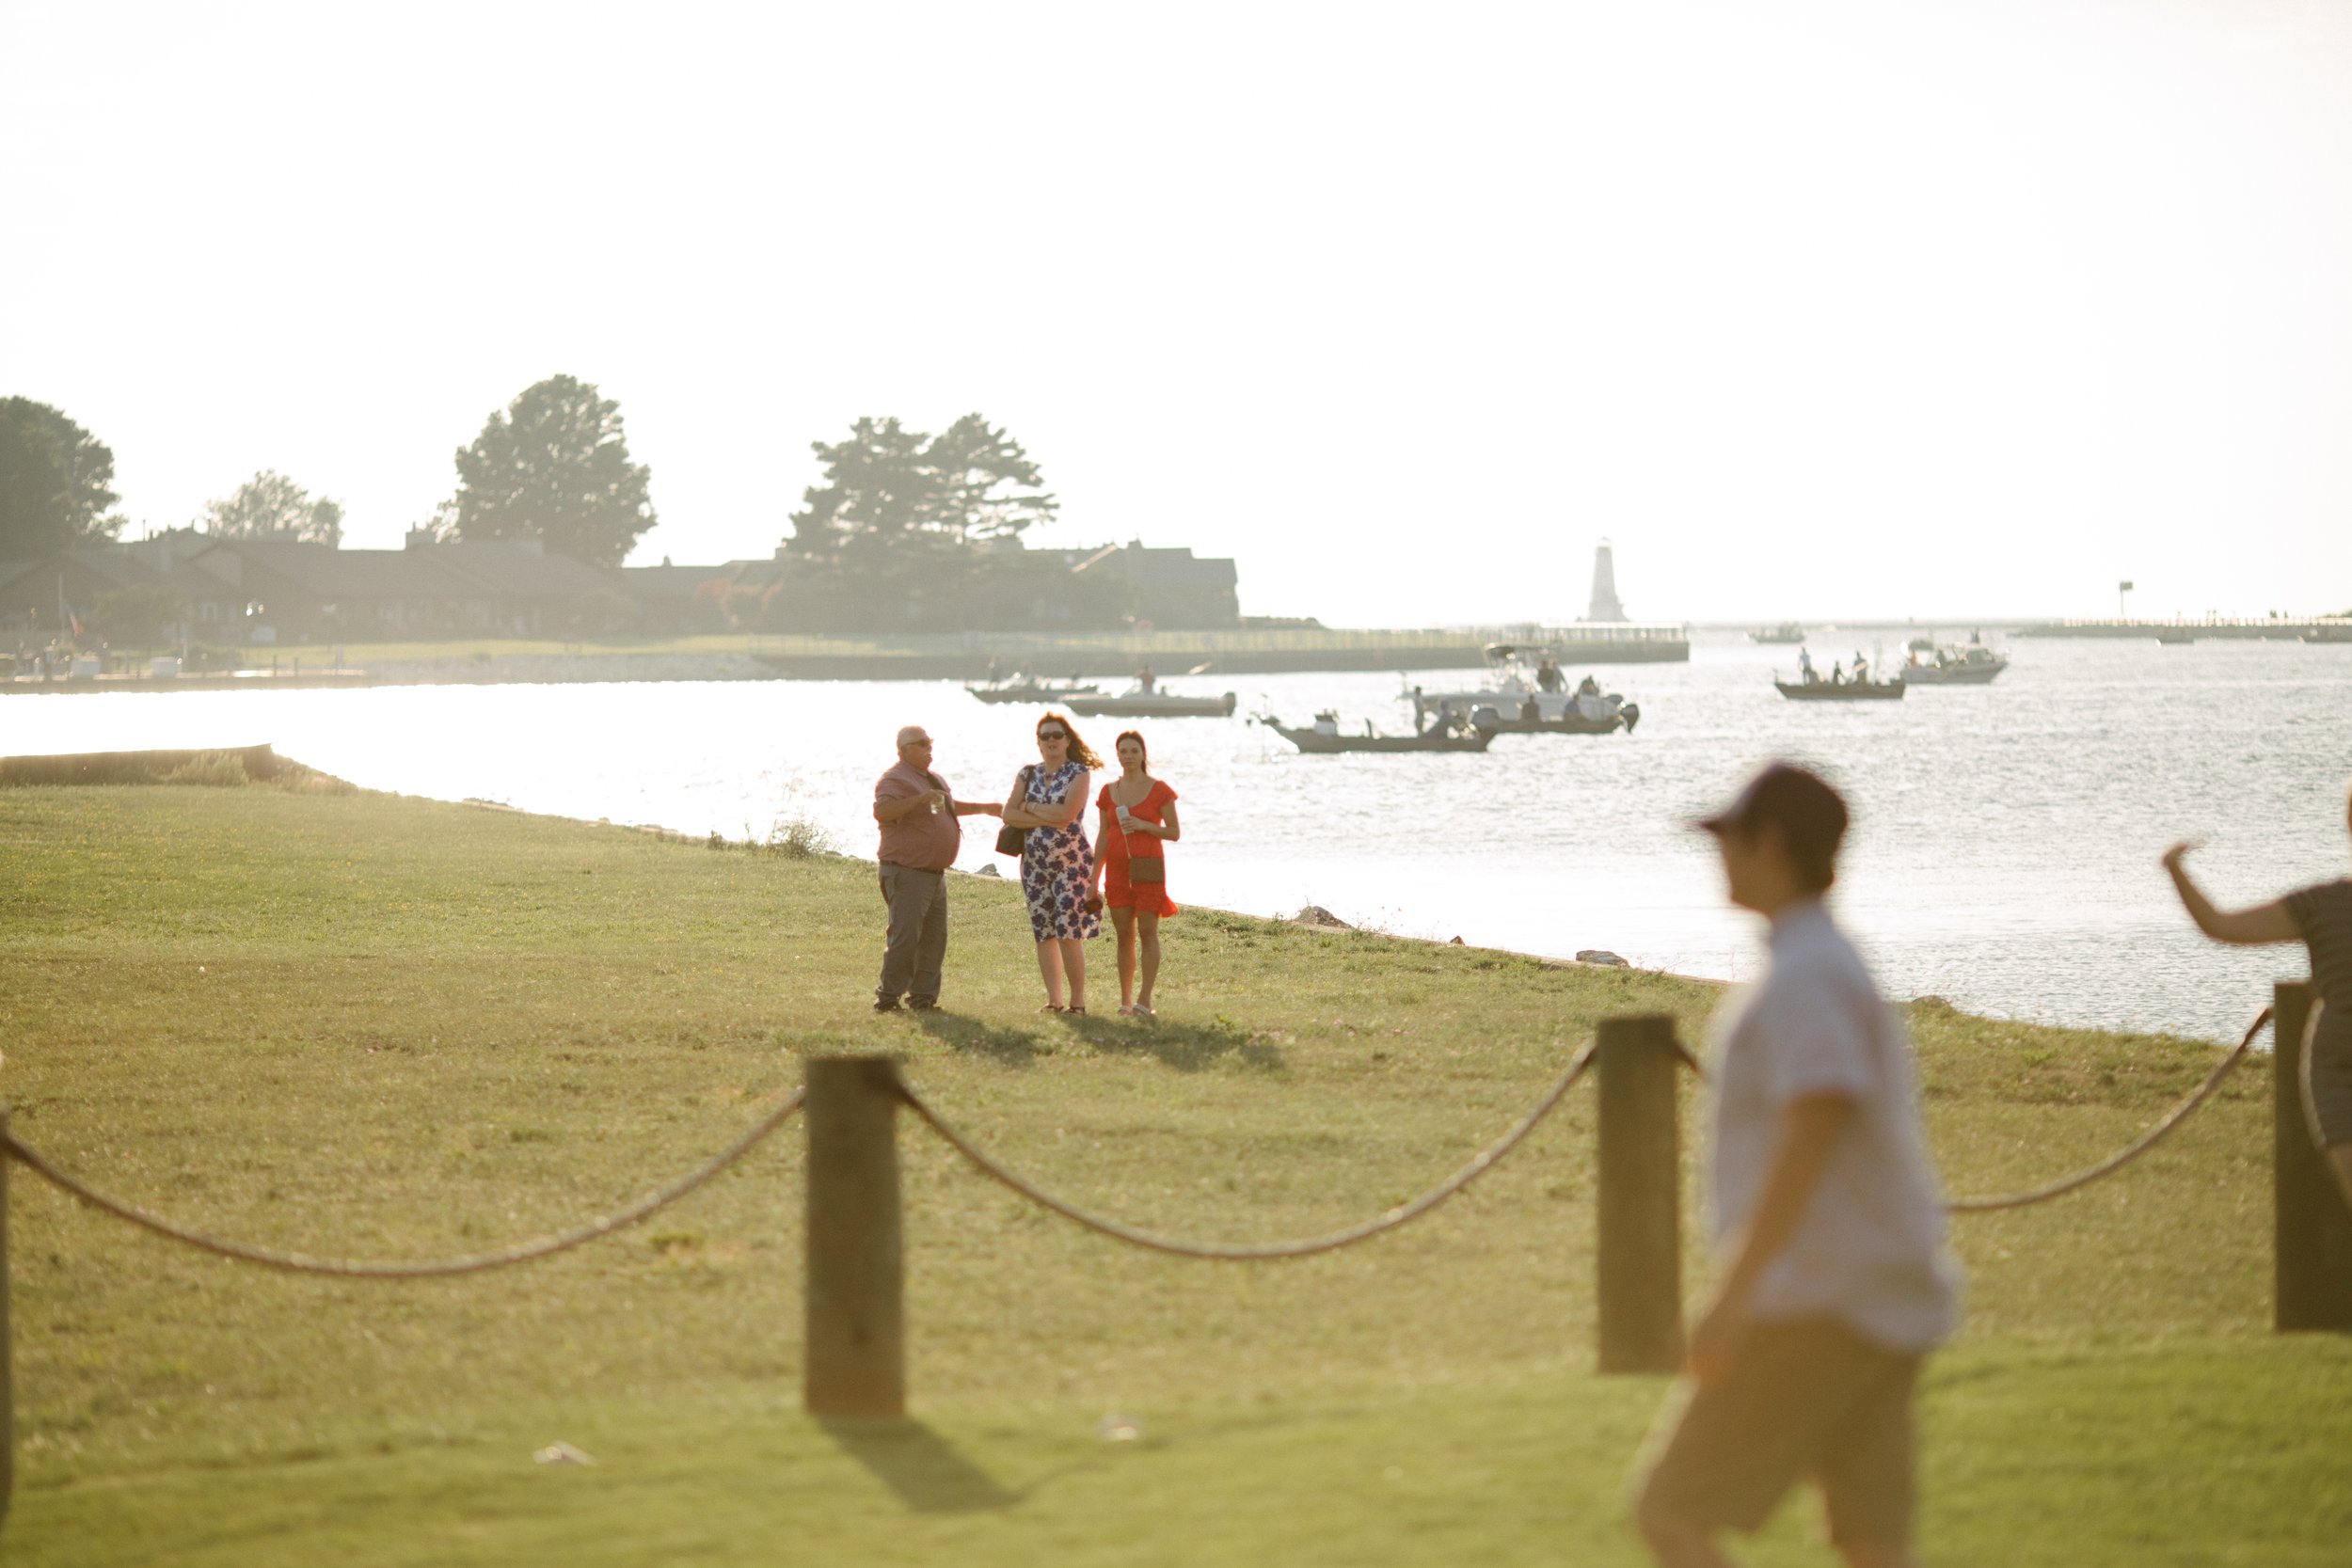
{"x": 1056, "y": 864}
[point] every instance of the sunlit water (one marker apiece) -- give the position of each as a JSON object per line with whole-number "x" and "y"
{"x": 2004, "y": 855}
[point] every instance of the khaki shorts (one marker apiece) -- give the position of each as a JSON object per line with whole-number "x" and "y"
{"x": 1805, "y": 1397}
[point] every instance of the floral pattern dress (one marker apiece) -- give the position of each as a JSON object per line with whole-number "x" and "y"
{"x": 1057, "y": 863}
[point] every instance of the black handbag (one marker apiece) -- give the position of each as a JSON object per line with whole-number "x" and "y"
{"x": 1012, "y": 840}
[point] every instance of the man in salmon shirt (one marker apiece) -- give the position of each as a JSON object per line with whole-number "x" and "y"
{"x": 920, "y": 836}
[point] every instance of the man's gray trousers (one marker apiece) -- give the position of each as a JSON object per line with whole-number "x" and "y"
{"x": 917, "y": 943}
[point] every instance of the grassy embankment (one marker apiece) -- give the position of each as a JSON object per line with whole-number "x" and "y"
{"x": 365, "y": 1024}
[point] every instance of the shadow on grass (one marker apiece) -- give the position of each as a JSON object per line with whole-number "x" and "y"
{"x": 1185, "y": 1047}
{"x": 922, "y": 1467}
{"x": 972, "y": 1038}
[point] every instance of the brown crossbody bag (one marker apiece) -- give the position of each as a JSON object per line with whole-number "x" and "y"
{"x": 1151, "y": 868}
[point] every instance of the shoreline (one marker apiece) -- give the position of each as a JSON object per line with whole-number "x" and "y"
{"x": 262, "y": 766}
{"x": 976, "y": 658}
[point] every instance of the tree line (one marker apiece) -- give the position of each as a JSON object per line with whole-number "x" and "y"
{"x": 905, "y": 528}
{"x": 553, "y": 466}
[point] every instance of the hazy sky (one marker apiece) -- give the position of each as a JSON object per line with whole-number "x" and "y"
{"x": 1816, "y": 309}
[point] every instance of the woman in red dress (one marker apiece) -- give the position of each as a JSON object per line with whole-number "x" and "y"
{"x": 1138, "y": 821}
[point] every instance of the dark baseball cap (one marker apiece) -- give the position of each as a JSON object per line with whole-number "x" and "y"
{"x": 1810, "y": 815}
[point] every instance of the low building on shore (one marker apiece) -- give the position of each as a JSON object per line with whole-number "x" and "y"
{"x": 1169, "y": 587}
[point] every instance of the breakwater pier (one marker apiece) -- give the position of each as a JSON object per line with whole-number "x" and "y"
{"x": 956, "y": 655}
{"x": 2324, "y": 628}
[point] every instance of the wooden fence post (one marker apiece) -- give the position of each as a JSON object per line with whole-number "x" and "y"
{"x": 854, "y": 1341}
{"x": 8, "y": 1351}
{"x": 1640, "y": 1261}
{"x": 2312, "y": 1241}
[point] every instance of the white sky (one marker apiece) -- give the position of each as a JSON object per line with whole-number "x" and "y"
{"x": 1819, "y": 310}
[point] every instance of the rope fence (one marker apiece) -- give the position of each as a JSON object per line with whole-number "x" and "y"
{"x": 2131, "y": 1151}
{"x": 361, "y": 1268}
{"x": 1404, "y": 1214}
{"x": 853, "y": 1291}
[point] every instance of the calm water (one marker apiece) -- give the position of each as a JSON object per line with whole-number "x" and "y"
{"x": 2004, "y": 853}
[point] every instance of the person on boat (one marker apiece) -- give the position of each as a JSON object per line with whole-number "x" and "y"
{"x": 1138, "y": 818}
{"x": 1146, "y": 682}
{"x": 2320, "y": 917}
{"x": 1861, "y": 670}
{"x": 916, "y": 813}
{"x": 1838, "y": 673}
{"x": 1804, "y": 666}
{"x": 1588, "y": 688}
{"x": 1547, "y": 676}
{"x": 1833, "y": 1279}
{"x": 1049, "y": 799}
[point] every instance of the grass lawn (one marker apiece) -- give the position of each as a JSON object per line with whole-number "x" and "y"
{"x": 353, "y": 1024}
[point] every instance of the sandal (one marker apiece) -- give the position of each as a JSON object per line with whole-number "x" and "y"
{"x": 1139, "y": 1010}
{"x": 1074, "y": 1012}
{"x": 1051, "y": 1007}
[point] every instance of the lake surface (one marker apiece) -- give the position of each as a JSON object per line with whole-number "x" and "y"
{"x": 2004, "y": 853}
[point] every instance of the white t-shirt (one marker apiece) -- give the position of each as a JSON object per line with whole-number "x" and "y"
{"x": 1869, "y": 1249}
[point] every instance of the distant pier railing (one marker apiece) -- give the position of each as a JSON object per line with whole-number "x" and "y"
{"x": 2321, "y": 628}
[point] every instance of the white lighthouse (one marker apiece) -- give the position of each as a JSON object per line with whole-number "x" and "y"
{"x": 1605, "y": 605}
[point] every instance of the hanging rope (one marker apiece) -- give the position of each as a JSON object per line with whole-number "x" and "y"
{"x": 2140, "y": 1145}
{"x": 359, "y": 1268}
{"x": 1481, "y": 1162}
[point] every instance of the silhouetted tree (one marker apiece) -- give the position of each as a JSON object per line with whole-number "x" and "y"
{"x": 55, "y": 482}
{"x": 554, "y": 466}
{"x": 891, "y": 492}
{"x": 270, "y": 504}
{"x": 911, "y": 530}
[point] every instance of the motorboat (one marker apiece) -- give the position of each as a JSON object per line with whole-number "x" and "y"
{"x": 1148, "y": 702}
{"x": 1516, "y": 700}
{"x": 1952, "y": 664}
{"x": 1325, "y": 737}
{"x": 1028, "y": 688}
{"x": 1818, "y": 690}
{"x": 1786, "y": 634}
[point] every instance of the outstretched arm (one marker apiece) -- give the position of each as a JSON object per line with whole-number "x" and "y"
{"x": 2250, "y": 927}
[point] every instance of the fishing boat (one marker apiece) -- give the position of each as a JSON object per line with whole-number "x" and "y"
{"x": 1028, "y": 688}
{"x": 1949, "y": 664}
{"x": 1526, "y": 694}
{"x": 1785, "y": 634}
{"x": 1141, "y": 702}
{"x": 2175, "y": 637}
{"x": 1839, "y": 692}
{"x": 2330, "y": 632}
{"x": 1324, "y": 738}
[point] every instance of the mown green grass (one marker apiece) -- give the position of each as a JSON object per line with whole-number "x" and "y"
{"x": 365, "y": 1024}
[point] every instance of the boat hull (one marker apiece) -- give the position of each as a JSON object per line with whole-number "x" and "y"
{"x": 1849, "y": 692}
{"x": 1578, "y": 725}
{"x": 1030, "y": 693}
{"x": 1953, "y": 674}
{"x": 1316, "y": 743}
{"x": 1154, "y": 707}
